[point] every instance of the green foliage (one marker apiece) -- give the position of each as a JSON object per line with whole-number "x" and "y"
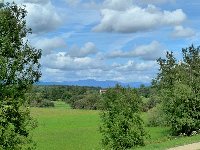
{"x": 56, "y": 92}
{"x": 144, "y": 91}
{"x": 15, "y": 125}
{"x": 156, "y": 117}
{"x": 149, "y": 97}
{"x": 121, "y": 126}
{"x": 89, "y": 100}
{"x": 80, "y": 128}
{"x": 42, "y": 103}
{"x": 179, "y": 85}
{"x": 19, "y": 69}
{"x": 78, "y": 97}
{"x": 149, "y": 103}
{"x": 36, "y": 100}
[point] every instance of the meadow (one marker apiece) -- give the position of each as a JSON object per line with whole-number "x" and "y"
{"x": 63, "y": 128}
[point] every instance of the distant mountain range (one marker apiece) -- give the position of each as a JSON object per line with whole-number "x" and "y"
{"x": 95, "y": 83}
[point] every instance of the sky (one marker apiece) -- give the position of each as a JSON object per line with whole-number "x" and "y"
{"x": 109, "y": 39}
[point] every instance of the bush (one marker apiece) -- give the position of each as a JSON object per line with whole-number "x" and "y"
{"x": 89, "y": 100}
{"x": 46, "y": 103}
{"x": 121, "y": 125}
{"x": 42, "y": 103}
{"x": 156, "y": 117}
{"x": 151, "y": 101}
{"x": 182, "y": 111}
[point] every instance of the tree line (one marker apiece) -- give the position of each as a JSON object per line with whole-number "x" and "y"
{"x": 173, "y": 100}
{"x": 78, "y": 97}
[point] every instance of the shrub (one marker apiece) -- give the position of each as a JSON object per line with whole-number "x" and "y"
{"x": 42, "y": 103}
{"x": 151, "y": 101}
{"x": 182, "y": 110}
{"x": 156, "y": 117}
{"x": 89, "y": 100}
{"x": 121, "y": 125}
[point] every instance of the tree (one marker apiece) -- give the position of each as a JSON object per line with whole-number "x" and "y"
{"x": 178, "y": 86}
{"x": 19, "y": 69}
{"x": 121, "y": 125}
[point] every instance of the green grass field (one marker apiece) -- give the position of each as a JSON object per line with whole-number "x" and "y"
{"x": 62, "y": 128}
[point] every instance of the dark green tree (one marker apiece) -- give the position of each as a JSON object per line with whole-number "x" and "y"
{"x": 121, "y": 125}
{"x": 19, "y": 69}
{"x": 179, "y": 85}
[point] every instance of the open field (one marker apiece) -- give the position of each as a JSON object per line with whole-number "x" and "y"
{"x": 62, "y": 128}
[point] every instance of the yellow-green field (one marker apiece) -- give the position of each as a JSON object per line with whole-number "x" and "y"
{"x": 62, "y": 128}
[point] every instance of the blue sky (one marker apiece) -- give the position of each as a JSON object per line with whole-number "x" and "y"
{"x": 109, "y": 39}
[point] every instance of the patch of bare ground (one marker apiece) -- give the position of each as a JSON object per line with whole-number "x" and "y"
{"x": 194, "y": 146}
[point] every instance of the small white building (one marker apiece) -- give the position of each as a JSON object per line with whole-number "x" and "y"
{"x": 102, "y": 91}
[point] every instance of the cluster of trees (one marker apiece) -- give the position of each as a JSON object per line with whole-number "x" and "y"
{"x": 174, "y": 98}
{"x": 78, "y": 97}
{"x": 178, "y": 86}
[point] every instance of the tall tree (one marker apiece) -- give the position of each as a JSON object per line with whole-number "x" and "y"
{"x": 179, "y": 86}
{"x": 19, "y": 69}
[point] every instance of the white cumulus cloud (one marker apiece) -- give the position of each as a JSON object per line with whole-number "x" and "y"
{"x": 135, "y": 66}
{"x": 48, "y": 45}
{"x": 88, "y": 49}
{"x": 117, "y": 4}
{"x": 42, "y": 17}
{"x": 63, "y": 61}
{"x": 134, "y": 18}
{"x": 181, "y": 32}
{"x": 151, "y": 51}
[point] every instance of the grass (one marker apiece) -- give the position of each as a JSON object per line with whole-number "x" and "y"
{"x": 62, "y": 128}
{"x": 61, "y": 105}
{"x": 170, "y": 143}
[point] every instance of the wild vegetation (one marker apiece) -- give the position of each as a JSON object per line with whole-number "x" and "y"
{"x": 19, "y": 69}
{"x": 171, "y": 106}
{"x": 178, "y": 86}
{"x": 121, "y": 124}
{"x": 79, "y": 129}
{"x": 76, "y": 96}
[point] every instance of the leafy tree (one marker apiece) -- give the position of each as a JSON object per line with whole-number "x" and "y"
{"x": 178, "y": 85}
{"x": 19, "y": 69}
{"x": 90, "y": 100}
{"x": 121, "y": 125}
{"x": 144, "y": 91}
